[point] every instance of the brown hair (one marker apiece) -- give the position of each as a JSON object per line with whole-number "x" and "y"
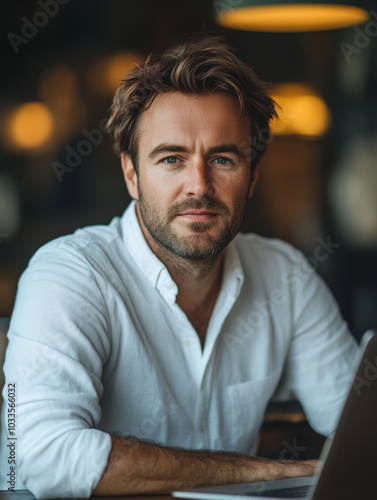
{"x": 198, "y": 66}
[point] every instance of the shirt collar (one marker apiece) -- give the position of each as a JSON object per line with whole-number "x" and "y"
{"x": 233, "y": 275}
{"x": 156, "y": 271}
{"x": 137, "y": 246}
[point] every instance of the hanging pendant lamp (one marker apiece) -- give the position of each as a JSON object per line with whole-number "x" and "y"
{"x": 288, "y": 16}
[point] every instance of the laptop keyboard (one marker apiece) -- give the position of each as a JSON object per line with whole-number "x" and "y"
{"x": 296, "y": 492}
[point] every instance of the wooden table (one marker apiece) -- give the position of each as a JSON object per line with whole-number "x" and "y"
{"x": 26, "y": 495}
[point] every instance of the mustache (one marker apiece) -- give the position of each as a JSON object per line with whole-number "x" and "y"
{"x": 205, "y": 203}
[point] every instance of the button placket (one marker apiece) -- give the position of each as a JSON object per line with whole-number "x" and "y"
{"x": 202, "y": 412}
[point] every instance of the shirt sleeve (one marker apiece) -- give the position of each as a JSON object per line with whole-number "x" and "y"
{"x": 322, "y": 351}
{"x": 58, "y": 344}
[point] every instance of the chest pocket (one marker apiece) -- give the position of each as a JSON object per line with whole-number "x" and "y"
{"x": 246, "y": 404}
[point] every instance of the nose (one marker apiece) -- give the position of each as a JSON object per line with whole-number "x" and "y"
{"x": 198, "y": 183}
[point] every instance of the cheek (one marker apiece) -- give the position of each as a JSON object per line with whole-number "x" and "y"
{"x": 232, "y": 188}
{"x": 158, "y": 188}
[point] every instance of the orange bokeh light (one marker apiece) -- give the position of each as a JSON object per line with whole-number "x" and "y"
{"x": 302, "y": 111}
{"x": 28, "y": 126}
{"x": 106, "y": 74}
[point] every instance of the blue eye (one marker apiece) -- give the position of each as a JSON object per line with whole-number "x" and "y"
{"x": 223, "y": 161}
{"x": 171, "y": 160}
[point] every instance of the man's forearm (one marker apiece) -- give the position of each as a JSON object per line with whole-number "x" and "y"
{"x": 136, "y": 467}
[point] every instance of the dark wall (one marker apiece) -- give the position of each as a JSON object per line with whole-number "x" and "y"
{"x": 298, "y": 197}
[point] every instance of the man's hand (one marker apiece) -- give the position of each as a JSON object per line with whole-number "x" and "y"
{"x": 137, "y": 467}
{"x": 298, "y": 468}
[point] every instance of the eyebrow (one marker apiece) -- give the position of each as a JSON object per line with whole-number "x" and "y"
{"x": 228, "y": 148}
{"x": 167, "y": 148}
{"x": 176, "y": 148}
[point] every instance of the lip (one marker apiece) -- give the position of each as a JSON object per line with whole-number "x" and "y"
{"x": 201, "y": 215}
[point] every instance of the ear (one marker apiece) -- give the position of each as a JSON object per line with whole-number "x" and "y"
{"x": 129, "y": 174}
{"x": 254, "y": 180}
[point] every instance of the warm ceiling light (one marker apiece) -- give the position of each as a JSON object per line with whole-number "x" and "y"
{"x": 302, "y": 112}
{"x": 106, "y": 74}
{"x": 290, "y": 16}
{"x": 28, "y": 127}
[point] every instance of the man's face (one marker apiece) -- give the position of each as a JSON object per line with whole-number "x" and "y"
{"x": 194, "y": 177}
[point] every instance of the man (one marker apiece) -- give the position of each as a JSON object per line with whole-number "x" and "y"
{"x": 138, "y": 347}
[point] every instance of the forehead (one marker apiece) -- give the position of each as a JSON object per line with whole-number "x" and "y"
{"x": 178, "y": 117}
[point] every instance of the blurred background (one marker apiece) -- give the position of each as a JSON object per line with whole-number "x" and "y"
{"x": 61, "y": 63}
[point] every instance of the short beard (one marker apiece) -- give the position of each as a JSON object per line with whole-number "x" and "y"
{"x": 198, "y": 246}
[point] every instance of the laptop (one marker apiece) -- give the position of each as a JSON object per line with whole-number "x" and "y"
{"x": 349, "y": 457}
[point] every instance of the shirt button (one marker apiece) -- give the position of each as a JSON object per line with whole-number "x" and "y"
{"x": 187, "y": 342}
{"x": 202, "y": 428}
{"x": 168, "y": 285}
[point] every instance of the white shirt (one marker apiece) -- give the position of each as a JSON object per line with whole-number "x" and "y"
{"x": 98, "y": 345}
